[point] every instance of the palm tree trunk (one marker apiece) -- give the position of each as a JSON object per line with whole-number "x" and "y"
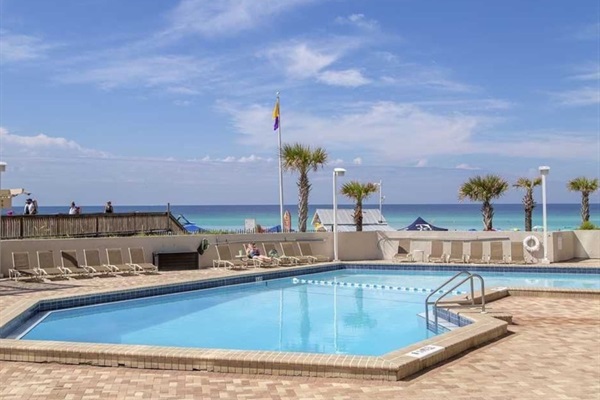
{"x": 358, "y": 216}
{"x": 528, "y": 217}
{"x": 303, "y": 191}
{"x": 529, "y": 204}
{"x": 585, "y": 207}
{"x": 488, "y": 214}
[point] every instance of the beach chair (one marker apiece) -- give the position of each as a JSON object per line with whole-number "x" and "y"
{"x": 48, "y": 267}
{"x": 497, "y": 255}
{"x": 70, "y": 265}
{"x": 92, "y": 261}
{"x": 457, "y": 254}
{"x": 136, "y": 256}
{"x": 306, "y": 250}
{"x": 404, "y": 254}
{"x": 289, "y": 250}
{"x": 115, "y": 261}
{"x": 517, "y": 255}
{"x": 476, "y": 253}
{"x": 280, "y": 260}
{"x": 22, "y": 267}
{"x": 436, "y": 254}
{"x": 226, "y": 260}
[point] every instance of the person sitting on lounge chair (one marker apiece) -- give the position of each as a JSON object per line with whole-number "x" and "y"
{"x": 253, "y": 252}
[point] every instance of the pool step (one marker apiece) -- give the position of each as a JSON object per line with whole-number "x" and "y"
{"x": 443, "y": 323}
{"x": 369, "y": 286}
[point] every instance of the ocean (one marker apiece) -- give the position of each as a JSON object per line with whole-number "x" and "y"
{"x": 460, "y": 217}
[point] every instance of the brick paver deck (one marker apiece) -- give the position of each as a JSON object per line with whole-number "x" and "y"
{"x": 553, "y": 352}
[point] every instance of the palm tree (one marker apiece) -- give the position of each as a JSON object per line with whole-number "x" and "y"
{"x": 484, "y": 189}
{"x": 300, "y": 158}
{"x": 586, "y": 187}
{"x": 528, "y": 202}
{"x": 359, "y": 192}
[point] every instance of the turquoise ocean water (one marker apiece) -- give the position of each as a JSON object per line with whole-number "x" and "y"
{"x": 452, "y": 216}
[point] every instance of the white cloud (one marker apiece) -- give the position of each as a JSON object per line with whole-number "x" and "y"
{"x": 300, "y": 60}
{"x": 589, "y": 72}
{"x": 587, "y": 32}
{"x": 43, "y": 145}
{"x": 349, "y": 77}
{"x": 584, "y": 96}
{"x": 359, "y": 21}
{"x": 225, "y": 17}
{"x": 169, "y": 71}
{"x": 357, "y": 161}
{"x": 466, "y": 166}
{"x": 421, "y": 163}
{"x": 16, "y": 47}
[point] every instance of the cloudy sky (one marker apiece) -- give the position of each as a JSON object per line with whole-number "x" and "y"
{"x": 149, "y": 101}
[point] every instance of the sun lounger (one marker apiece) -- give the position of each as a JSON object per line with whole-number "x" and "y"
{"x": 457, "y": 254}
{"x": 476, "y": 253}
{"x": 517, "y": 255}
{"x": 404, "y": 254}
{"x": 280, "y": 259}
{"x": 289, "y": 250}
{"x": 115, "y": 260}
{"x": 22, "y": 267}
{"x": 70, "y": 265}
{"x": 306, "y": 250}
{"x": 47, "y": 266}
{"x": 93, "y": 263}
{"x": 497, "y": 255}
{"x": 226, "y": 260}
{"x": 437, "y": 252}
{"x": 136, "y": 255}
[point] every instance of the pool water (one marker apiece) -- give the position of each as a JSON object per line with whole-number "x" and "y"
{"x": 347, "y": 311}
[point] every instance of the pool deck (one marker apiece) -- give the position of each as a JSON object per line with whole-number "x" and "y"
{"x": 552, "y": 351}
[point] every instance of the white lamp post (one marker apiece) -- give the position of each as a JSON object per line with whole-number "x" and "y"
{"x": 381, "y": 197}
{"x": 336, "y": 172}
{"x": 544, "y": 170}
{"x": 2, "y": 169}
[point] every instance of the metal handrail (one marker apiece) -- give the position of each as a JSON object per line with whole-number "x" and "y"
{"x": 469, "y": 277}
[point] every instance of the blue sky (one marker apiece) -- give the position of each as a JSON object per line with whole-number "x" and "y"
{"x": 149, "y": 101}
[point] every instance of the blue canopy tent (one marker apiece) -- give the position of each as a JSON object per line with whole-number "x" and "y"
{"x": 421, "y": 225}
{"x": 189, "y": 226}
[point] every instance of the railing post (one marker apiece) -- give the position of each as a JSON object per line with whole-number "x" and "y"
{"x": 21, "y": 227}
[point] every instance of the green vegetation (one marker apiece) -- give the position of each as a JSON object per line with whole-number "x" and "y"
{"x": 588, "y": 226}
{"x": 359, "y": 192}
{"x": 300, "y": 158}
{"x": 586, "y": 187}
{"x": 528, "y": 202}
{"x": 484, "y": 189}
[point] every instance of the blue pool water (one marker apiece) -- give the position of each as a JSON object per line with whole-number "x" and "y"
{"x": 344, "y": 311}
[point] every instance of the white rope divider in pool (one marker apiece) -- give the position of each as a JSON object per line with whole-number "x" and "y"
{"x": 369, "y": 286}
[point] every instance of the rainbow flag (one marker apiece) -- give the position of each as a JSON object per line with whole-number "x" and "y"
{"x": 276, "y": 116}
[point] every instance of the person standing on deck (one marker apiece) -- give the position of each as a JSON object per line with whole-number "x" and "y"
{"x": 108, "y": 209}
{"x": 73, "y": 209}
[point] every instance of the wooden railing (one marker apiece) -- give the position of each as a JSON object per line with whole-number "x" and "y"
{"x": 89, "y": 225}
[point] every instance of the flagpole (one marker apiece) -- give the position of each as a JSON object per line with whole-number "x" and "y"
{"x": 280, "y": 168}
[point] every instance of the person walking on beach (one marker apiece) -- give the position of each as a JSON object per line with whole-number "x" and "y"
{"x": 33, "y": 207}
{"x": 73, "y": 209}
{"x": 108, "y": 209}
{"x": 26, "y": 210}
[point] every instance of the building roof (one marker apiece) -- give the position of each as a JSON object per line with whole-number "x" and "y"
{"x": 373, "y": 220}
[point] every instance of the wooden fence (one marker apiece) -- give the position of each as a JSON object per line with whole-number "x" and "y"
{"x": 89, "y": 225}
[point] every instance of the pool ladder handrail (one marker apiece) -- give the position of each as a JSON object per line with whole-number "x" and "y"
{"x": 469, "y": 277}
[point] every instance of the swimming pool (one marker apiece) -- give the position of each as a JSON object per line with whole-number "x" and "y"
{"x": 356, "y": 310}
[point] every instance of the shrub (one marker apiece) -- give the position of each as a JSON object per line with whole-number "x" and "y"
{"x": 587, "y": 226}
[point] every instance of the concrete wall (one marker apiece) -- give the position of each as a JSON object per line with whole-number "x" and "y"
{"x": 353, "y": 246}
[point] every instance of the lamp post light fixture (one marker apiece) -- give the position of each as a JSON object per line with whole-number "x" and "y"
{"x": 336, "y": 172}
{"x": 544, "y": 171}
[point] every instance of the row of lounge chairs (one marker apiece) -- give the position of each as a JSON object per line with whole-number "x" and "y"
{"x": 287, "y": 254}
{"x": 459, "y": 254}
{"x": 71, "y": 267}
